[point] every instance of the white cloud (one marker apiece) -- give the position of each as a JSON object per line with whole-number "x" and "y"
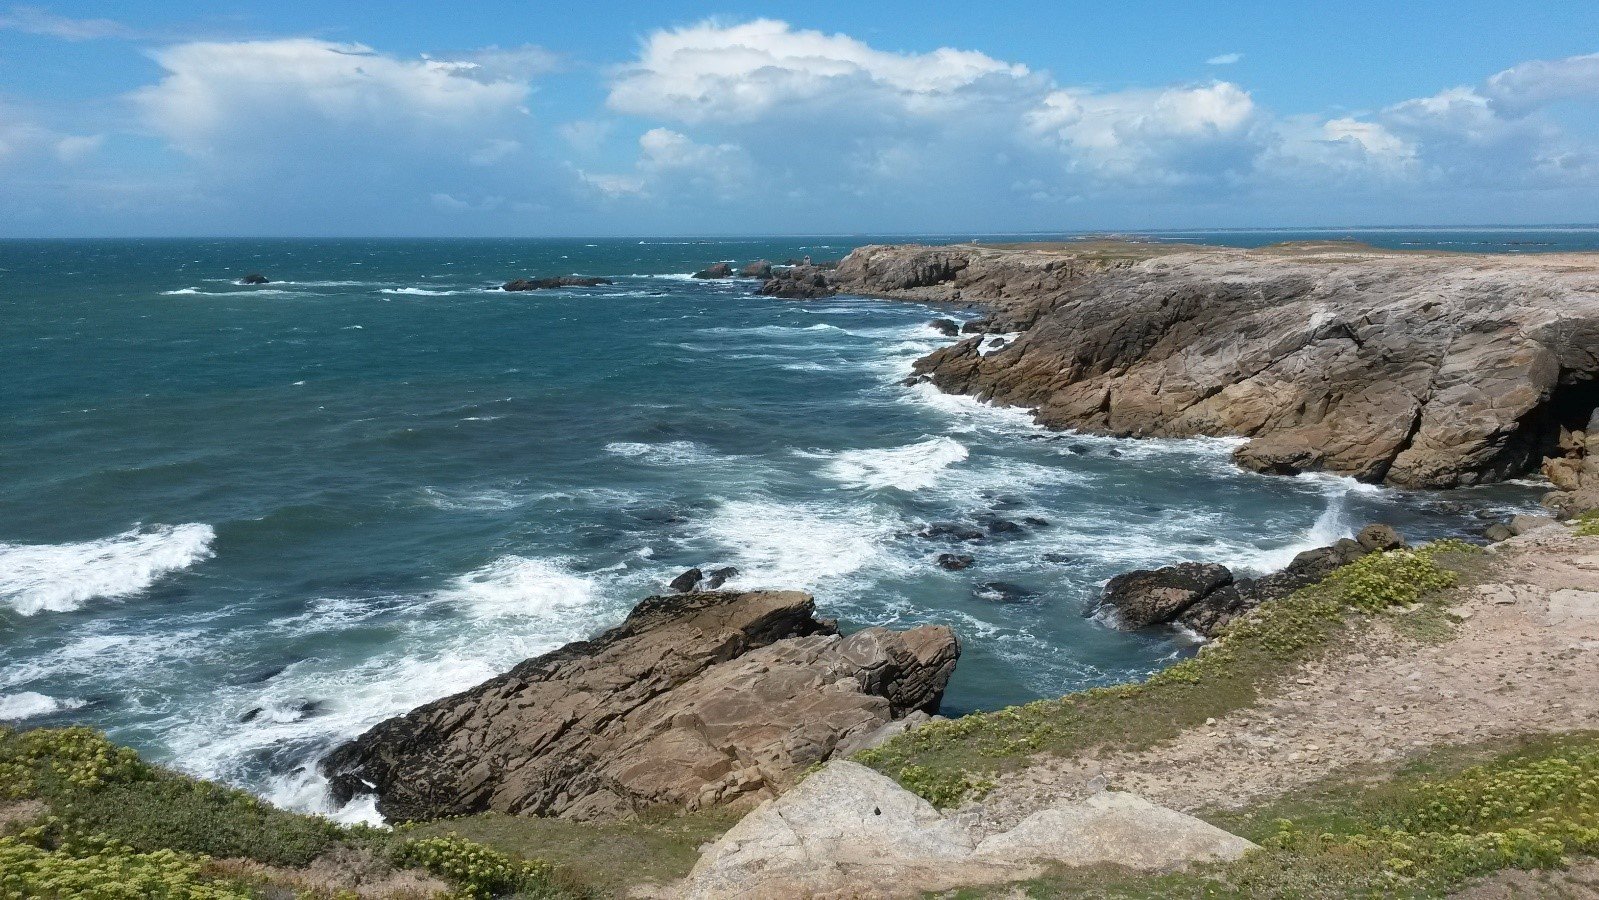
{"x": 22, "y": 139}
{"x": 672, "y": 160}
{"x": 33, "y": 20}
{"x": 1140, "y": 133}
{"x": 259, "y": 95}
{"x": 1521, "y": 89}
{"x": 743, "y": 72}
{"x": 1224, "y": 59}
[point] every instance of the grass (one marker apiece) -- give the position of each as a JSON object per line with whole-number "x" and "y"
{"x": 950, "y": 762}
{"x": 658, "y": 847}
{"x": 1451, "y": 817}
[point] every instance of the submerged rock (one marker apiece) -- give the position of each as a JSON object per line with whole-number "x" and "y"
{"x": 559, "y": 281}
{"x": 255, "y": 278}
{"x": 954, "y": 562}
{"x": 695, "y": 700}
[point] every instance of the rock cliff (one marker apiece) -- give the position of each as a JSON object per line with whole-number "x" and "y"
{"x": 1417, "y": 369}
{"x": 696, "y": 699}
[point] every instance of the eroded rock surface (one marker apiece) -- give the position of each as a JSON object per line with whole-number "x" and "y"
{"x": 1417, "y": 369}
{"x": 850, "y": 831}
{"x": 695, "y": 700}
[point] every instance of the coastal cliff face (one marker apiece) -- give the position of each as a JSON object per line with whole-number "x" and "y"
{"x": 1426, "y": 370}
{"x": 695, "y": 700}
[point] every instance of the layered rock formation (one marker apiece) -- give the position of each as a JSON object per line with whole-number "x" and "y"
{"x": 1205, "y": 596}
{"x": 695, "y": 700}
{"x": 1428, "y": 370}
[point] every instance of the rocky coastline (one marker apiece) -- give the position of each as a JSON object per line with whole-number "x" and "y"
{"x": 1411, "y": 369}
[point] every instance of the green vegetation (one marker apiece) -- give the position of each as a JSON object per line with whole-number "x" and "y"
{"x": 91, "y": 820}
{"x": 659, "y": 847}
{"x": 1588, "y": 523}
{"x": 1440, "y": 823}
{"x": 948, "y": 762}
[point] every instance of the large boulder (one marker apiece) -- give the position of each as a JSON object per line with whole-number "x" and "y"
{"x": 695, "y": 700}
{"x": 1150, "y": 597}
{"x": 715, "y": 270}
{"x": 761, "y": 268}
{"x": 1203, "y": 597}
{"x": 848, "y": 831}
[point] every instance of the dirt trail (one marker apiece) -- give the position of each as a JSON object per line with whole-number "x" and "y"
{"x": 1526, "y": 659}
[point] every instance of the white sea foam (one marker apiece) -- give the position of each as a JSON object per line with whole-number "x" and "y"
{"x": 908, "y": 468}
{"x": 59, "y": 577}
{"x": 423, "y": 292}
{"x": 28, "y": 704}
{"x": 666, "y": 453}
{"x": 804, "y": 546}
{"x": 482, "y": 499}
{"x": 519, "y": 586}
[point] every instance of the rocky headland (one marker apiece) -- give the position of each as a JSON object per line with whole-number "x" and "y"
{"x": 695, "y": 700}
{"x": 1411, "y": 369}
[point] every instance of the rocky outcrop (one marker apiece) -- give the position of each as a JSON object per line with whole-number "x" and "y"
{"x": 1417, "y": 369}
{"x": 715, "y": 270}
{"x": 1205, "y": 596}
{"x": 761, "y": 268}
{"x": 695, "y": 700}
{"x": 804, "y": 282}
{"x": 559, "y": 281}
{"x": 849, "y": 831}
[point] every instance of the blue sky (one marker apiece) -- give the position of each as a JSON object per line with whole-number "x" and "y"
{"x": 596, "y": 118}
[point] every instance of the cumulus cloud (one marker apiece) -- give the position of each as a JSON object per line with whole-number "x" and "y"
{"x": 743, "y": 72}
{"x": 23, "y": 140}
{"x": 1521, "y": 89}
{"x": 1140, "y": 133}
{"x": 671, "y": 159}
{"x": 263, "y": 93}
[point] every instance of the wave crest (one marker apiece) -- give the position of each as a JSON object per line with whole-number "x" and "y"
{"x": 37, "y": 578}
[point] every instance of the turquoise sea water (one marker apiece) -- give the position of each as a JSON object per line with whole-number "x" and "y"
{"x": 239, "y": 524}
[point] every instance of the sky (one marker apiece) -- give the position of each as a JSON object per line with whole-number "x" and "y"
{"x": 598, "y": 117}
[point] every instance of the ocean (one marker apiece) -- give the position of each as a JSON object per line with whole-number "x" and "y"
{"x": 240, "y": 524}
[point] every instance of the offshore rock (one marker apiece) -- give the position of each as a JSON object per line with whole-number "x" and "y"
{"x": 695, "y": 700}
{"x": 1417, "y": 369}
{"x": 761, "y": 268}
{"x": 255, "y": 278}
{"x": 559, "y": 281}
{"x": 804, "y": 282}
{"x": 715, "y": 270}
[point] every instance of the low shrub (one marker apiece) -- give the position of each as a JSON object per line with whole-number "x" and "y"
{"x": 479, "y": 872}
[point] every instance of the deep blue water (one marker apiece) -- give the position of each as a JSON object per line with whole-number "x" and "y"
{"x": 315, "y": 504}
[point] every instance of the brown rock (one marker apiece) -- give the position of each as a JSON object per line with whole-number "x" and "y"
{"x": 1427, "y": 370}
{"x": 1151, "y": 597}
{"x": 697, "y": 699}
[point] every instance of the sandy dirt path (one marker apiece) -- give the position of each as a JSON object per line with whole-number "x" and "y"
{"x": 1525, "y": 659}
